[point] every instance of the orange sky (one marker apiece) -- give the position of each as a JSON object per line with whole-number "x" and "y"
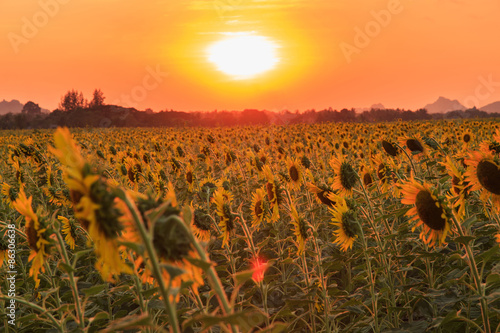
{"x": 429, "y": 48}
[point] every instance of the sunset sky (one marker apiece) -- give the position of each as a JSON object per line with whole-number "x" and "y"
{"x": 325, "y": 53}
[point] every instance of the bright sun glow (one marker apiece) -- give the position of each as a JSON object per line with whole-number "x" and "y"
{"x": 243, "y": 56}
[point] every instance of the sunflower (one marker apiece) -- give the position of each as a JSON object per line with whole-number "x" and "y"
{"x": 300, "y": 228}
{"x": 428, "y": 211}
{"x": 201, "y": 224}
{"x": 390, "y": 148}
{"x": 171, "y": 241}
{"x": 322, "y": 194}
{"x": 4, "y": 246}
{"x": 483, "y": 173}
{"x": 207, "y": 187}
{"x": 294, "y": 172}
{"x": 258, "y": 207}
{"x": 10, "y": 194}
{"x": 37, "y": 235}
{"x": 189, "y": 177}
{"x": 68, "y": 229}
{"x": 414, "y": 145}
{"x": 93, "y": 203}
{"x": 222, "y": 200}
{"x": 348, "y": 226}
{"x": 345, "y": 176}
{"x": 274, "y": 193}
{"x": 459, "y": 188}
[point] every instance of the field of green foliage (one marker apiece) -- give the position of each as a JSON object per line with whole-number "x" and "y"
{"x": 335, "y": 227}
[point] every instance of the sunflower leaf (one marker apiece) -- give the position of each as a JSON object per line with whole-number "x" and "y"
{"x": 94, "y": 290}
{"x": 173, "y": 271}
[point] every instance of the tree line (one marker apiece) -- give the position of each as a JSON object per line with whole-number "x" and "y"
{"x": 75, "y": 111}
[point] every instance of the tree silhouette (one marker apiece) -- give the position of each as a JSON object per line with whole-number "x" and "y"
{"x": 73, "y": 100}
{"x": 31, "y": 108}
{"x": 98, "y": 99}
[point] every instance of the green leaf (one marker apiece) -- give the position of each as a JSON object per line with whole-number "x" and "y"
{"x": 101, "y": 315}
{"x": 199, "y": 263}
{"x": 492, "y": 278}
{"x": 173, "y": 271}
{"x": 94, "y": 290}
{"x": 187, "y": 215}
{"x": 246, "y": 320}
{"x": 242, "y": 277}
{"x": 485, "y": 256}
{"x": 133, "y": 246}
{"x": 274, "y": 328}
{"x": 128, "y": 322}
{"x": 464, "y": 239}
{"x": 453, "y": 315}
{"x": 65, "y": 267}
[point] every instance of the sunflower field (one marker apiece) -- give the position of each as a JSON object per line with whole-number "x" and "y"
{"x": 335, "y": 227}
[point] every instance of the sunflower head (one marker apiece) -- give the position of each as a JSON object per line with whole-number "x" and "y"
{"x": 345, "y": 176}
{"x": 346, "y": 221}
{"x": 483, "y": 174}
{"x": 430, "y": 212}
{"x": 389, "y": 148}
{"x": 202, "y": 224}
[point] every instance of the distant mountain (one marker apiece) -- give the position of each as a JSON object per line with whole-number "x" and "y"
{"x": 492, "y": 107}
{"x": 443, "y": 105}
{"x": 13, "y": 106}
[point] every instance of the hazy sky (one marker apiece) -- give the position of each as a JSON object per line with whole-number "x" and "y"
{"x": 338, "y": 53}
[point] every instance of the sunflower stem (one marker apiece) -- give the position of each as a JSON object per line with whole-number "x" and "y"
{"x": 172, "y": 313}
{"x": 72, "y": 281}
{"x": 372, "y": 279}
{"x": 409, "y": 158}
{"x": 477, "y": 278}
{"x": 212, "y": 274}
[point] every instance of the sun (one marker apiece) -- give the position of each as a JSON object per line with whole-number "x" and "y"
{"x": 243, "y": 56}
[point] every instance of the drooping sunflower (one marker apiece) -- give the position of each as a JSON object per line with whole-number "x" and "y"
{"x": 171, "y": 241}
{"x": 68, "y": 229}
{"x": 189, "y": 177}
{"x": 322, "y": 194}
{"x": 207, "y": 187}
{"x": 222, "y": 200}
{"x": 4, "y": 246}
{"x": 345, "y": 220}
{"x": 414, "y": 145}
{"x": 258, "y": 207}
{"x": 36, "y": 233}
{"x": 294, "y": 172}
{"x": 345, "y": 176}
{"x": 201, "y": 224}
{"x": 483, "y": 173}
{"x": 274, "y": 193}
{"x": 9, "y": 193}
{"x": 390, "y": 148}
{"x": 428, "y": 211}
{"x": 459, "y": 188}
{"x": 300, "y": 228}
{"x": 93, "y": 203}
